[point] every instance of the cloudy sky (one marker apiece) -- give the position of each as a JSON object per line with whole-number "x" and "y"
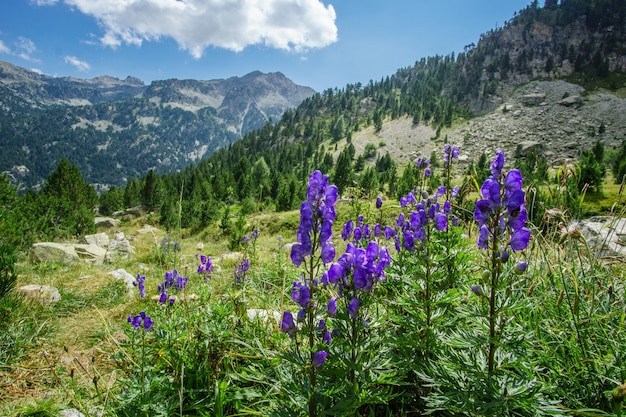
{"x": 321, "y": 44}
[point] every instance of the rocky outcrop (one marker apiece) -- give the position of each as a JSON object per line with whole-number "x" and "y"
{"x": 90, "y": 253}
{"x": 96, "y": 249}
{"x": 550, "y": 117}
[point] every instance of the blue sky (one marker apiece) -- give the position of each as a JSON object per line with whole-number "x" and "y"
{"x": 320, "y": 44}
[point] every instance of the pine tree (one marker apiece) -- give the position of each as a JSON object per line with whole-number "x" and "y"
{"x": 68, "y": 202}
{"x": 152, "y": 192}
{"x": 344, "y": 172}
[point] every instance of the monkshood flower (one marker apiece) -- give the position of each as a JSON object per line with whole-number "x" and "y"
{"x": 140, "y": 320}
{"x": 169, "y": 246}
{"x": 319, "y": 359}
{"x": 360, "y": 268}
{"x": 205, "y": 265}
{"x": 287, "y": 324}
{"x": 317, "y": 214}
{"x": 353, "y": 308}
{"x": 449, "y": 153}
{"x": 332, "y": 307}
{"x": 240, "y": 269}
{"x": 476, "y": 289}
{"x": 502, "y": 207}
{"x": 379, "y": 202}
{"x": 172, "y": 280}
{"x": 520, "y": 267}
{"x": 139, "y": 282}
{"x": 300, "y": 294}
{"x": 424, "y": 214}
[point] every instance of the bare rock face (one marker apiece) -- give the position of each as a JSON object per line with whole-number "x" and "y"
{"x": 51, "y": 252}
{"x": 43, "y": 293}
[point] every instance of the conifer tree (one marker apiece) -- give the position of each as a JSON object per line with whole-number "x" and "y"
{"x": 68, "y": 202}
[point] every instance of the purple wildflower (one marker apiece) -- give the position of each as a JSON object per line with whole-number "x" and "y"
{"x": 332, "y": 307}
{"x": 205, "y": 266}
{"x": 520, "y": 267}
{"x": 319, "y": 358}
{"x": 476, "y": 289}
{"x": 300, "y": 294}
{"x": 441, "y": 221}
{"x": 139, "y": 320}
{"x": 497, "y": 165}
{"x": 139, "y": 282}
{"x": 483, "y": 237}
{"x": 353, "y": 308}
{"x": 287, "y": 324}
{"x": 520, "y": 239}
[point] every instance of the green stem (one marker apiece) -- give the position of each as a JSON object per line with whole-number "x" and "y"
{"x": 495, "y": 278}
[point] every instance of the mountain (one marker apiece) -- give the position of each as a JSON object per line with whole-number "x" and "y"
{"x": 551, "y": 80}
{"x": 116, "y": 129}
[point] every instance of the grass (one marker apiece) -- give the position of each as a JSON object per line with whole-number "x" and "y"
{"x": 565, "y": 329}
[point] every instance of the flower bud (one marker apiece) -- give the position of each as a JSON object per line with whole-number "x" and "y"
{"x": 486, "y": 274}
{"x": 504, "y": 256}
{"x": 520, "y": 267}
{"x": 476, "y": 289}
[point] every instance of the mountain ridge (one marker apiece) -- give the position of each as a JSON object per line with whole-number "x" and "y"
{"x": 168, "y": 123}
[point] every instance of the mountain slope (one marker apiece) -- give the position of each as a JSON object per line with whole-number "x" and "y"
{"x": 116, "y": 129}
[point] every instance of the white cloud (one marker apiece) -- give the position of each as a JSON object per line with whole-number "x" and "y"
{"x": 4, "y": 49}
{"x": 292, "y": 25}
{"x": 25, "y": 48}
{"x": 81, "y": 66}
{"x": 43, "y": 2}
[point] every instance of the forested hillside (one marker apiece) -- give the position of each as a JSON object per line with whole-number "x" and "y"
{"x": 576, "y": 40}
{"x": 580, "y": 41}
{"x": 115, "y": 129}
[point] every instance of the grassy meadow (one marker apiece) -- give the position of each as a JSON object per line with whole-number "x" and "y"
{"x": 516, "y": 327}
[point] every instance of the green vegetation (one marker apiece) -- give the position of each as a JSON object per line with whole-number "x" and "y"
{"x": 442, "y": 324}
{"x": 379, "y": 308}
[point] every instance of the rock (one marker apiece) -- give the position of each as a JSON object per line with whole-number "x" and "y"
{"x": 90, "y": 253}
{"x": 136, "y": 211}
{"x": 265, "y": 316}
{"x": 127, "y": 278}
{"x": 71, "y": 412}
{"x": 605, "y": 235}
{"x": 106, "y": 222}
{"x": 99, "y": 239}
{"x": 533, "y": 99}
{"x": 526, "y": 147}
{"x": 44, "y": 293}
{"x": 146, "y": 229}
{"x": 571, "y": 101}
{"x": 230, "y": 257}
{"x": 50, "y": 252}
{"x": 119, "y": 250}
